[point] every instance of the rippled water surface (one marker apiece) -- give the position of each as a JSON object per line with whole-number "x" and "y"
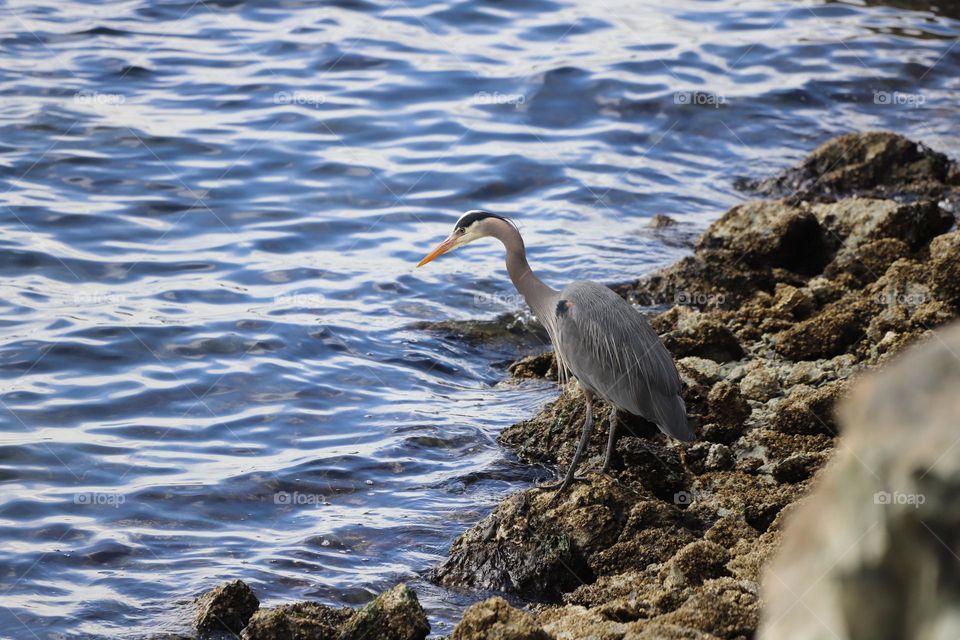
{"x": 210, "y": 215}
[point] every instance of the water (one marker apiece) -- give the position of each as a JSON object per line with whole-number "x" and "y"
{"x": 211, "y": 211}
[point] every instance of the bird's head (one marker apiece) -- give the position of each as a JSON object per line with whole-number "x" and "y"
{"x": 471, "y": 226}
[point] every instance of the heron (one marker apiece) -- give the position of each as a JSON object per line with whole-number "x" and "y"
{"x": 597, "y": 336}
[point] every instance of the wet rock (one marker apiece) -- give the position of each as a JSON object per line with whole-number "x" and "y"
{"x": 226, "y": 607}
{"x": 792, "y": 302}
{"x": 541, "y": 365}
{"x": 508, "y": 327}
{"x": 875, "y": 162}
{"x": 535, "y": 550}
{"x": 771, "y": 234}
{"x": 394, "y": 615}
{"x": 881, "y": 526}
{"x": 494, "y": 619}
{"x": 661, "y": 221}
{"x": 295, "y": 621}
{"x": 651, "y": 465}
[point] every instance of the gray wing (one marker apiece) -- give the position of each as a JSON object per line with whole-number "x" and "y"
{"x": 614, "y": 352}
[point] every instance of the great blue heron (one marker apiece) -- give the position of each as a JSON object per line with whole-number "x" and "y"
{"x": 610, "y": 348}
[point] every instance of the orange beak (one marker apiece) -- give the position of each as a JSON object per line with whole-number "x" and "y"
{"x": 440, "y": 249}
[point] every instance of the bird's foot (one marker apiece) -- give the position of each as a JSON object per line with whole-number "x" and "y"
{"x": 553, "y": 486}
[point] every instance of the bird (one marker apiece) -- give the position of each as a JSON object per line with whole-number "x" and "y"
{"x": 597, "y": 336}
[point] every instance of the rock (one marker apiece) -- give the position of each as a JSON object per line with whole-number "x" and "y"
{"x": 719, "y": 458}
{"x": 692, "y": 333}
{"x": 702, "y": 370}
{"x": 828, "y": 333}
{"x": 724, "y": 608}
{"x": 727, "y": 409}
{"x": 296, "y": 621}
{"x": 874, "y": 162}
{"x": 508, "y": 327}
{"x": 791, "y": 302}
{"x": 695, "y": 563}
{"x": 771, "y": 234}
{"x": 661, "y": 221}
{"x": 711, "y": 279}
{"x": 532, "y": 549}
{"x": 760, "y": 383}
{"x": 226, "y": 607}
{"x": 807, "y": 410}
{"x": 797, "y": 467}
{"x": 856, "y": 221}
{"x": 881, "y": 526}
{"x": 945, "y": 267}
{"x": 541, "y": 365}
{"x": 394, "y": 615}
{"x": 494, "y": 619}
{"x": 869, "y": 261}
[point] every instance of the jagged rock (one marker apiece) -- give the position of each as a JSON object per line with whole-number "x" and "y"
{"x": 711, "y": 279}
{"x": 495, "y": 619}
{"x": 870, "y": 554}
{"x": 869, "y": 261}
{"x": 393, "y": 615}
{"x": 508, "y": 327}
{"x": 541, "y": 365}
{"x": 226, "y": 607}
{"x": 856, "y": 221}
{"x": 809, "y": 411}
{"x": 874, "y": 162}
{"x": 295, "y": 621}
{"x": 770, "y": 234}
{"x": 696, "y": 562}
{"x": 686, "y": 332}
{"x": 760, "y": 383}
{"x": 535, "y": 550}
{"x": 945, "y": 266}
{"x": 728, "y": 410}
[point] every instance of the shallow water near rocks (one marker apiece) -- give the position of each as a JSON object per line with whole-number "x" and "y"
{"x": 211, "y": 215}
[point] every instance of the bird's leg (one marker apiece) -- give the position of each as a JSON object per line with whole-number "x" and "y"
{"x": 584, "y": 440}
{"x": 611, "y": 440}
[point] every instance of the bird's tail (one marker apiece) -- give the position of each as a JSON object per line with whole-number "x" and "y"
{"x": 672, "y": 418}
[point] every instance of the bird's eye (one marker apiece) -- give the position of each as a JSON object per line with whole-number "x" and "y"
{"x": 460, "y": 230}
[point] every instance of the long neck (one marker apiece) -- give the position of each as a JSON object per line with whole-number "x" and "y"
{"x": 537, "y": 294}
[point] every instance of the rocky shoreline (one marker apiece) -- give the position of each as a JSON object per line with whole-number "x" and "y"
{"x": 781, "y": 306}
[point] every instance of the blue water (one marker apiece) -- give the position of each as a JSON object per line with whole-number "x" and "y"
{"x": 210, "y": 216}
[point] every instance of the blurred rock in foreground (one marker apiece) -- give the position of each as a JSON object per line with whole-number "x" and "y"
{"x": 872, "y": 554}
